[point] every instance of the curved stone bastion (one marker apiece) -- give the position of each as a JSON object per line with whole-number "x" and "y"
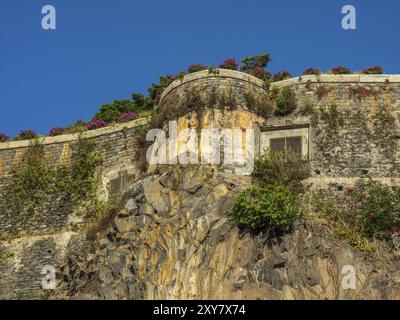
{"x": 347, "y": 126}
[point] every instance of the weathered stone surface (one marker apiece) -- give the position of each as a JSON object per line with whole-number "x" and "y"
{"x": 197, "y": 254}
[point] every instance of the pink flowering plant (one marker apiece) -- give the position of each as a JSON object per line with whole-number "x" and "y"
{"x": 230, "y": 64}
{"x": 127, "y": 116}
{"x": 340, "y": 70}
{"x": 3, "y": 137}
{"x": 26, "y": 135}
{"x": 57, "y": 131}
{"x": 96, "y": 124}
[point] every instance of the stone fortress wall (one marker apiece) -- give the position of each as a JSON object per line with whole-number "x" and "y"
{"x": 350, "y": 126}
{"x": 350, "y": 123}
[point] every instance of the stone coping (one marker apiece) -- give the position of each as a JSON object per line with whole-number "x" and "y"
{"x": 344, "y": 78}
{"x": 74, "y": 137}
{"x": 323, "y": 78}
{"x": 219, "y": 73}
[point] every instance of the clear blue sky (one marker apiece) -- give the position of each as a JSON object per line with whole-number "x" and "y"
{"x": 105, "y": 50}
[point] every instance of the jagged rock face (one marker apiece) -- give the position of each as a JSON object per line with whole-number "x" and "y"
{"x": 174, "y": 240}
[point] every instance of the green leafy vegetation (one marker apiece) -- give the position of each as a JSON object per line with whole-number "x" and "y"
{"x": 274, "y": 204}
{"x": 6, "y": 255}
{"x": 285, "y": 168}
{"x": 332, "y": 117}
{"x": 286, "y": 102}
{"x": 110, "y": 112}
{"x": 383, "y": 121}
{"x": 37, "y": 185}
{"x": 360, "y": 216}
{"x": 274, "y": 208}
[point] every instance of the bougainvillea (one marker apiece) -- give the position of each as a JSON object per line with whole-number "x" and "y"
{"x": 3, "y": 137}
{"x": 196, "y": 67}
{"x": 282, "y": 75}
{"x": 373, "y": 70}
{"x": 259, "y": 73}
{"x": 311, "y": 71}
{"x": 128, "y": 116}
{"x": 340, "y": 70}
{"x": 57, "y": 131}
{"x": 230, "y": 64}
{"x": 26, "y": 135}
{"x": 95, "y": 124}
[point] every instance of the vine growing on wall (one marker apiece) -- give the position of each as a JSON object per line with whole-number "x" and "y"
{"x": 37, "y": 185}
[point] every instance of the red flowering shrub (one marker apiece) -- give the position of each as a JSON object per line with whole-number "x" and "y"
{"x": 311, "y": 71}
{"x": 3, "y": 137}
{"x": 196, "y": 67}
{"x": 340, "y": 70}
{"x": 373, "y": 70}
{"x": 230, "y": 64}
{"x": 282, "y": 75}
{"x": 373, "y": 211}
{"x": 259, "y": 73}
{"x": 26, "y": 135}
{"x": 57, "y": 132}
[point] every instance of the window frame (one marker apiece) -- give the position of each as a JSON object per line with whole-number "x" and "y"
{"x": 302, "y": 131}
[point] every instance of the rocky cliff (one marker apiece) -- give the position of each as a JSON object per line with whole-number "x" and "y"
{"x": 174, "y": 240}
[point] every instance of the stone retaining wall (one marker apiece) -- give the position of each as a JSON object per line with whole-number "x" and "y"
{"x": 116, "y": 146}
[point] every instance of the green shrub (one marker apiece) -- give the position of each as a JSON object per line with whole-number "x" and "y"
{"x": 379, "y": 214}
{"x": 280, "y": 167}
{"x": 274, "y": 208}
{"x": 285, "y": 102}
{"x": 252, "y": 62}
{"x": 110, "y": 112}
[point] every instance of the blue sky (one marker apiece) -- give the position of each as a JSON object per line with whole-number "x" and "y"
{"x": 105, "y": 50}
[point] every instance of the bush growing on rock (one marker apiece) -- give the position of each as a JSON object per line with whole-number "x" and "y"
{"x": 285, "y": 102}
{"x": 284, "y": 168}
{"x": 274, "y": 208}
